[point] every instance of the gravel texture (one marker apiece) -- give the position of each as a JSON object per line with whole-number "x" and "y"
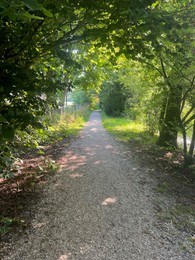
{"x": 100, "y": 206}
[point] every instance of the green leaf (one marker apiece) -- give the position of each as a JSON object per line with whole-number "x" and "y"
{"x": 31, "y": 4}
{"x": 28, "y": 16}
{"x": 9, "y": 12}
{"x": 7, "y": 132}
{"x": 45, "y": 11}
{"x": 2, "y": 119}
{"x": 3, "y": 5}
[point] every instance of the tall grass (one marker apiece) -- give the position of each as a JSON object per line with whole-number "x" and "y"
{"x": 126, "y": 129}
{"x": 56, "y": 127}
{"x": 66, "y": 124}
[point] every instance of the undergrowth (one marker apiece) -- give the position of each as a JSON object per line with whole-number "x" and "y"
{"x": 56, "y": 127}
{"x": 125, "y": 129}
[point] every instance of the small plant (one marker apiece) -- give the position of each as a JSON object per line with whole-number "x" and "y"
{"x": 5, "y": 225}
{"x": 51, "y": 165}
{"x": 162, "y": 188}
{"x": 183, "y": 217}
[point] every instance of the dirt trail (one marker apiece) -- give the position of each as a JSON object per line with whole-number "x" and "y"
{"x": 100, "y": 206}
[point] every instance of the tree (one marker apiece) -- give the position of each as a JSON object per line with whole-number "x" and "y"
{"x": 168, "y": 52}
{"x": 112, "y": 98}
{"x": 33, "y": 33}
{"x": 79, "y": 97}
{"x": 39, "y": 38}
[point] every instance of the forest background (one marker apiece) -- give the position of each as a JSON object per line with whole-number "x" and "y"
{"x": 137, "y": 58}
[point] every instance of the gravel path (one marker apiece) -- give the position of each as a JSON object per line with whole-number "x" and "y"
{"x": 100, "y": 206}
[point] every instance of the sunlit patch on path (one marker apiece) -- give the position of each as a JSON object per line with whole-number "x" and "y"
{"x": 64, "y": 257}
{"x": 94, "y": 129}
{"x": 76, "y": 175}
{"x": 109, "y": 146}
{"x": 39, "y": 225}
{"x": 109, "y": 201}
{"x": 72, "y": 161}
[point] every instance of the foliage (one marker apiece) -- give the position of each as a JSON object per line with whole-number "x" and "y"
{"x": 57, "y": 128}
{"x": 86, "y": 97}
{"x": 79, "y": 96}
{"x": 60, "y": 126}
{"x": 48, "y": 47}
{"x": 142, "y": 88}
{"x": 113, "y": 98}
{"x": 165, "y": 56}
{"x": 32, "y": 67}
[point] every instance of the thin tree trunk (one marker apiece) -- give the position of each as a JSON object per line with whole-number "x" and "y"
{"x": 191, "y": 150}
{"x": 169, "y": 128}
{"x": 185, "y": 148}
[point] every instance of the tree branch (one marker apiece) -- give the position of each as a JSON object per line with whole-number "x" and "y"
{"x": 187, "y": 114}
{"x": 189, "y": 120}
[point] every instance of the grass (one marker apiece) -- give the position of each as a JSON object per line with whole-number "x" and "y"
{"x": 65, "y": 125}
{"x": 77, "y": 122}
{"x": 183, "y": 217}
{"x": 125, "y": 129}
{"x": 57, "y": 128}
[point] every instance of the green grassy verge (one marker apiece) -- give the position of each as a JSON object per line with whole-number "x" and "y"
{"x": 57, "y": 127}
{"x": 125, "y": 129}
{"x": 68, "y": 124}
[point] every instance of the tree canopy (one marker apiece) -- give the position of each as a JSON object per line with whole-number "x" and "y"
{"x": 51, "y": 46}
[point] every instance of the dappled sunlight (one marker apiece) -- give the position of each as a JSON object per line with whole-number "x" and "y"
{"x": 93, "y": 122}
{"x": 125, "y": 129}
{"x": 169, "y": 155}
{"x": 109, "y": 146}
{"x": 57, "y": 185}
{"x": 64, "y": 257}
{"x": 72, "y": 161}
{"x": 39, "y": 225}
{"x": 76, "y": 175}
{"x": 97, "y": 162}
{"x": 109, "y": 201}
{"x": 90, "y": 151}
{"x": 94, "y": 129}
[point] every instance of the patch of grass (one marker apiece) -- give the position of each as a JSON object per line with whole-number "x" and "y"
{"x": 183, "y": 217}
{"x": 7, "y": 224}
{"x": 162, "y": 188}
{"x": 64, "y": 125}
{"x": 125, "y": 129}
{"x": 75, "y": 125}
{"x": 57, "y": 127}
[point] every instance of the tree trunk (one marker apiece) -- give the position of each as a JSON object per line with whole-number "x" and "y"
{"x": 185, "y": 148}
{"x": 188, "y": 157}
{"x": 191, "y": 150}
{"x": 163, "y": 110}
{"x": 170, "y": 125}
